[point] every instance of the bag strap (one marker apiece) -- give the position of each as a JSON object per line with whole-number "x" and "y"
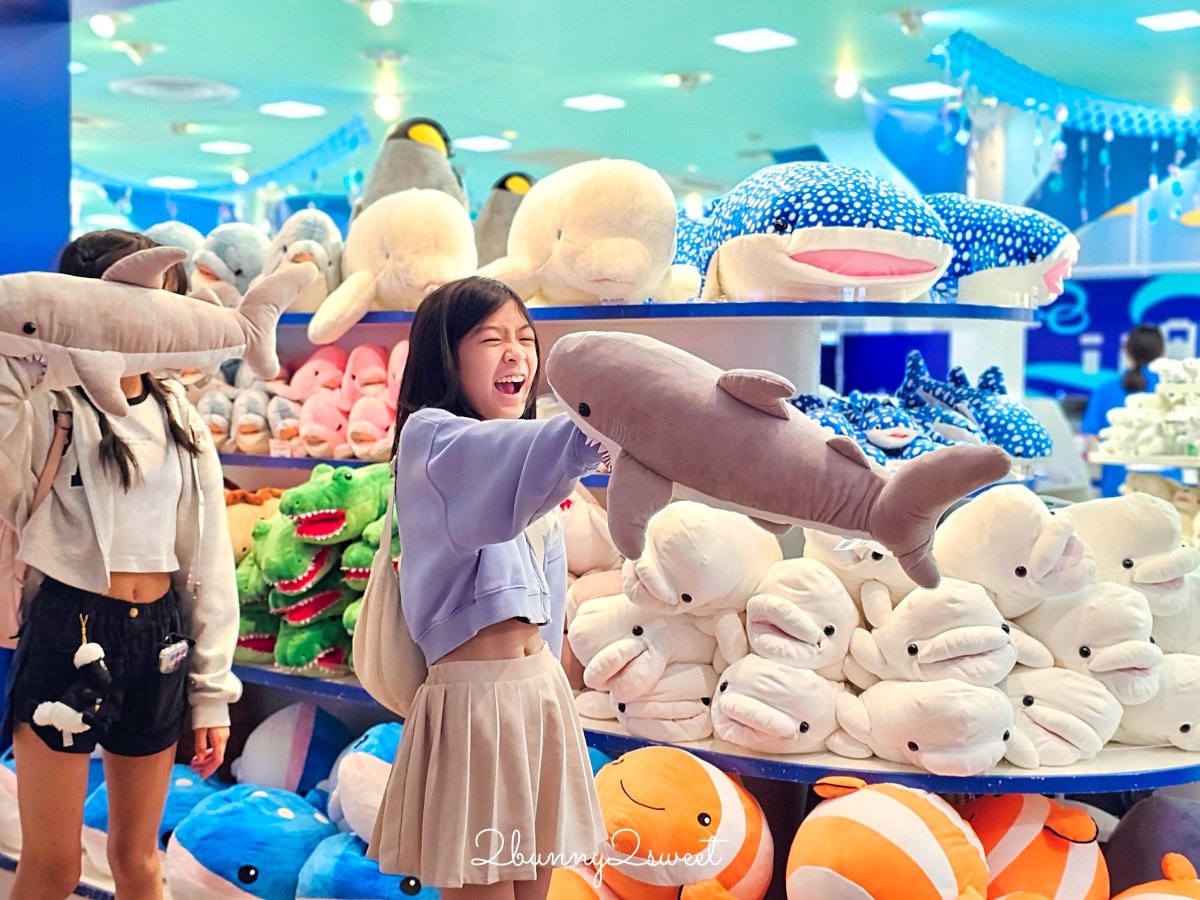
{"x": 385, "y": 539}
{"x": 63, "y": 418}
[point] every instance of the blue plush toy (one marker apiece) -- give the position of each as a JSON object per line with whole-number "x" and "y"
{"x": 1002, "y": 420}
{"x": 244, "y": 842}
{"x": 293, "y": 749}
{"x": 945, "y": 426}
{"x": 339, "y": 870}
{"x": 1003, "y": 254}
{"x": 817, "y": 231}
{"x": 693, "y": 246}
{"x": 599, "y": 760}
{"x": 186, "y": 792}
{"x": 897, "y": 434}
{"x": 837, "y": 417}
{"x": 361, "y": 776}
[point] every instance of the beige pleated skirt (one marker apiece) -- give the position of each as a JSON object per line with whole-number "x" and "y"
{"x": 492, "y": 778}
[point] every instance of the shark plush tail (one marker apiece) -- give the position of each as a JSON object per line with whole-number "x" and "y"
{"x": 914, "y": 371}
{"x": 992, "y": 380}
{"x": 911, "y": 503}
{"x": 260, "y": 312}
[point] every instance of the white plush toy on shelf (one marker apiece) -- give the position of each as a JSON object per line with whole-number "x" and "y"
{"x": 1008, "y": 542}
{"x": 864, "y": 568}
{"x": 1063, "y": 715}
{"x": 676, "y": 710}
{"x": 802, "y": 617}
{"x": 774, "y": 708}
{"x": 1102, "y": 631}
{"x": 585, "y": 535}
{"x": 703, "y": 563}
{"x": 1173, "y": 715}
{"x": 1181, "y": 633}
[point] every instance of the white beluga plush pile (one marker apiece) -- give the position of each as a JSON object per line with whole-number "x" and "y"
{"x": 1063, "y": 715}
{"x": 1172, "y": 716}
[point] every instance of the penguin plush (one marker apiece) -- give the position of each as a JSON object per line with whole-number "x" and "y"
{"x": 415, "y": 154}
{"x": 495, "y": 218}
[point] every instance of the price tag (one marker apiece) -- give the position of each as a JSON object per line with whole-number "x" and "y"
{"x": 280, "y": 448}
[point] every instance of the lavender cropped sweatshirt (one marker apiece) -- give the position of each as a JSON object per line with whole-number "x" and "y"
{"x": 465, "y": 493}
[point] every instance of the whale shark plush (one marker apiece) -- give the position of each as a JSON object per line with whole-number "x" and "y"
{"x": 593, "y": 232}
{"x": 231, "y": 257}
{"x": 664, "y": 803}
{"x": 178, "y": 234}
{"x": 704, "y": 563}
{"x": 731, "y": 440}
{"x": 815, "y": 231}
{"x": 309, "y": 235}
{"x": 947, "y": 727}
{"x": 185, "y": 794}
{"x": 801, "y": 616}
{"x": 495, "y": 217}
{"x": 676, "y": 709}
{"x": 953, "y": 631}
{"x": 838, "y": 421}
{"x": 897, "y": 434}
{"x": 244, "y": 842}
{"x": 1172, "y": 716}
{"x": 773, "y": 708}
{"x": 292, "y": 749}
{"x": 362, "y": 773}
{"x": 416, "y": 153}
{"x": 1002, "y": 420}
{"x": 1102, "y": 631}
{"x": 1136, "y": 540}
{"x": 1004, "y": 255}
{"x": 1065, "y": 715}
{"x": 1180, "y": 881}
{"x": 339, "y": 870}
{"x": 865, "y": 569}
{"x": 693, "y": 249}
{"x": 1156, "y": 825}
{"x": 399, "y": 250}
{"x": 1007, "y": 541}
{"x": 92, "y": 332}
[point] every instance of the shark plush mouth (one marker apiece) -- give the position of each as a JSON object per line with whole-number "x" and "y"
{"x": 258, "y": 643}
{"x": 1056, "y": 275}
{"x": 307, "y": 610}
{"x": 863, "y": 263}
{"x": 316, "y": 568}
{"x": 320, "y": 525}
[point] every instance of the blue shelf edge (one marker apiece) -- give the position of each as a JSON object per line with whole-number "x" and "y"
{"x": 768, "y": 309}
{"x": 285, "y": 462}
{"x": 337, "y": 689}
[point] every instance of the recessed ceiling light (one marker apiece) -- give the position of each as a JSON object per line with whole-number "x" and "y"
{"x": 76, "y": 68}
{"x": 292, "y": 109}
{"x": 1182, "y": 105}
{"x": 937, "y": 17}
{"x": 672, "y": 80}
{"x": 924, "y": 90}
{"x": 482, "y": 144}
{"x": 103, "y": 25}
{"x": 172, "y": 183}
{"x": 508, "y": 134}
{"x": 381, "y": 12}
{"x": 1175, "y": 21}
{"x": 239, "y": 175}
{"x": 846, "y": 85}
{"x": 754, "y": 40}
{"x": 387, "y": 107}
{"x": 594, "y": 103}
{"x": 225, "y": 148}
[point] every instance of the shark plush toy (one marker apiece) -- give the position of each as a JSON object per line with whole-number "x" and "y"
{"x": 1002, "y": 420}
{"x": 178, "y": 234}
{"x": 495, "y": 217}
{"x": 339, "y": 870}
{"x": 1172, "y": 716}
{"x": 1066, "y": 716}
{"x": 362, "y": 772}
{"x": 244, "y": 842}
{"x": 731, "y": 440}
{"x": 309, "y": 235}
{"x": 231, "y": 257}
{"x": 92, "y": 332}
{"x": 815, "y": 231}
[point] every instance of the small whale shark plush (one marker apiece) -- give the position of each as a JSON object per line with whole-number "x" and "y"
{"x": 816, "y": 231}
{"x": 339, "y": 870}
{"x": 1004, "y": 255}
{"x": 674, "y": 422}
{"x": 838, "y": 418}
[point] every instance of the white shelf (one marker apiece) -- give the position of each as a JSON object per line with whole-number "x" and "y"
{"x": 1178, "y": 388}
{"x": 1146, "y": 462}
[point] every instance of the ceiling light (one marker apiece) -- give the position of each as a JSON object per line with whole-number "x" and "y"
{"x": 184, "y": 128}
{"x": 1175, "y": 21}
{"x": 508, "y": 134}
{"x": 225, "y": 148}
{"x": 846, "y": 85}
{"x": 76, "y": 68}
{"x": 686, "y": 81}
{"x": 172, "y": 183}
{"x": 594, "y": 103}
{"x": 924, "y": 90}
{"x": 380, "y": 12}
{"x": 239, "y": 175}
{"x": 481, "y": 144}
{"x": 672, "y": 80}
{"x": 387, "y": 107}
{"x": 755, "y": 40}
{"x": 937, "y": 17}
{"x": 1182, "y": 105}
{"x": 292, "y": 109}
{"x": 693, "y": 205}
{"x": 103, "y": 25}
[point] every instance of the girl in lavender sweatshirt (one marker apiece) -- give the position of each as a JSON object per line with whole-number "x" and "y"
{"x": 491, "y": 787}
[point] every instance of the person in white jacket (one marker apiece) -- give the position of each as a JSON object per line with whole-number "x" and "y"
{"x": 136, "y": 615}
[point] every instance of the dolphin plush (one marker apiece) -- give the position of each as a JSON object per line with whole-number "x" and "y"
{"x": 802, "y": 617}
{"x": 1172, "y": 716}
{"x": 495, "y": 217}
{"x": 1002, "y": 420}
{"x": 731, "y": 439}
{"x": 231, "y": 257}
{"x": 339, "y": 870}
{"x": 947, "y": 727}
{"x": 1137, "y": 541}
{"x": 292, "y": 749}
{"x": 1006, "y": 255}
{"x": 309, "y": 235}
{"x": 1065, "y": 716}
{"x": 815, "y": 231}
{"x": 178, "y": 234}
{"x": 362, "y": 773}
{"x": 92, "y": 332}
{"x": 1007, "y": 541}
{"x": 400, "y": 249}
{"x": 1102, "y": 631}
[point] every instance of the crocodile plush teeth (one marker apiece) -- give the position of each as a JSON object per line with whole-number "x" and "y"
{"x": 320, "y": 524}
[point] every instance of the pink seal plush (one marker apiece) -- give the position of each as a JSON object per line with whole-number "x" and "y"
{"x": 324, "y": 427}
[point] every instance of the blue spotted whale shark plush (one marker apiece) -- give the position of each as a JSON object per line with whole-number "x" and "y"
{"x": 339, "y": 870}
{"x": 1003, "y": 255}
{"x": 890, "y": 429}
{"x": 1002, "y": 420}
{"x": 817, "y": 231}
{"x": 837, "y": 417}
{"x": 693, "y": 245}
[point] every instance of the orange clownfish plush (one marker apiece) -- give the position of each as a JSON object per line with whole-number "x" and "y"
{"x": 681, "y": 828}
{"x": 1181, "y": 881}
{"x": 1034, "y": 844}
{"x": 886, "y": 842}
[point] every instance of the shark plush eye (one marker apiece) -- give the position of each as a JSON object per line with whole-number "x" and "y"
{"x": 830, "y": 631}
{"x": 29, "y": 328}
{"x": 1127, "y": 563}
{"x": 686, "y": 598}
{"x": 1085, "y": 652}
{"x": 780, "y": 225}
{"x": 638, "y": 630}
{"x": 1027, "y": 700}
{"x": 410, "y": 886}
{"x": 912, "y": 745}
{"x": 1033, "y": 257}
{"x": 704, "y": 819}
{"x": 247, "y": 874}
{"x": 1021, "y": 571}
{"x": 913, "y": 649}
{"x": 585, "y": 410}
{"x": 804, "y": 728}
{"x": 876, "y": 555}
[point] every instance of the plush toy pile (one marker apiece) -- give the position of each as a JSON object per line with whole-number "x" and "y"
{"x": 1185, "y": 499}
{"x": 1163, "y": 423}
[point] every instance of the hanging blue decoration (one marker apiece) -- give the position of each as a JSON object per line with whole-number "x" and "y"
{"x": 336, "y": 146}
{"x": 993, "y": 74}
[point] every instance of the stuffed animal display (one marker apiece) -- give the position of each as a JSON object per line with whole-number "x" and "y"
{"x": 1163, "y": 423}
{"x": 309, "y": 235}
{"x": 230, "y": 258}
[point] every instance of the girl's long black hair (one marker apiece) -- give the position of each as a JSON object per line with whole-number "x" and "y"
{"x": 89, "y": 256}
{"x": 1144, "y": 346}
{"x": 444, "y": 318}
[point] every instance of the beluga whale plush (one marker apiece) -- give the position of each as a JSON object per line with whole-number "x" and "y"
{"x": 732, "y": 440}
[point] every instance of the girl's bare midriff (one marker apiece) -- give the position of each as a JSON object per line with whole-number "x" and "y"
{"x": 138, "y": 587}
{"x": 504, "y": 640}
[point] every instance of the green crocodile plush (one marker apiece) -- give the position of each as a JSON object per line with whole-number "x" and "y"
{"x": 288, "y": 563}
{"x": 251, "y": 586}
{"x": 321, "y": 650}
{"x": 327, "y": 600}
{"x": 359, "y": 556}
{"x": 350, "y": 616}
{"x": 257, "y": 632}
{"x": 335, "y": 505}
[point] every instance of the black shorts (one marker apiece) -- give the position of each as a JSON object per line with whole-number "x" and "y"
{"x": 143, "y": 710}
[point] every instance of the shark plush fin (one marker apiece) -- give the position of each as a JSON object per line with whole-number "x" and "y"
{"x": 957, "y": 377}
{"x": 343, "y": 308}
{"x": 634, "y": 495}
{"x": 206, "y": 294}
{"x": 145, "y": 268}
{"x": 100, "y": 376}
{"x": 773, "y": 527}
{"x": 848, "y": 448}
{"x": 764, "y": 391}
{"x": 260, "y": 311}
{"x": 992, "y": 381}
